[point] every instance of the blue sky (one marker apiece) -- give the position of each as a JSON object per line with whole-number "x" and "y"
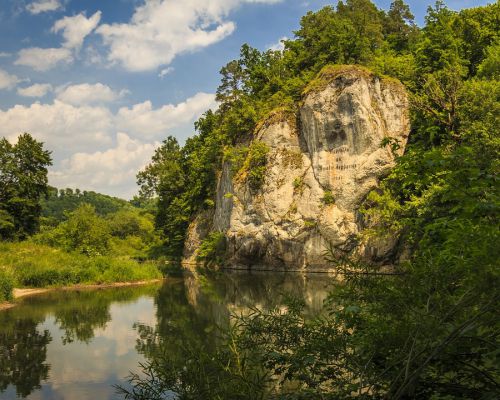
{"x": 102, "y": 82}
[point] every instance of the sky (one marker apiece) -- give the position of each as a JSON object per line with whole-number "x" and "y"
{"x": 103, "y": 82}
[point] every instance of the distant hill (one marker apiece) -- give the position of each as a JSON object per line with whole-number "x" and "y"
{"x": 60, "y": 201}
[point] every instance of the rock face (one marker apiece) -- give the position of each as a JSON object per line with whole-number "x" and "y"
{"x": 321, "y": 165}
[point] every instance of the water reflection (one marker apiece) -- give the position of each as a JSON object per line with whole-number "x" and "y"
{"x": 191, "y": 316}
{"x": 77, "y": 345}
{"x": 23, "y": 352}
{"x": 27, "y": 332}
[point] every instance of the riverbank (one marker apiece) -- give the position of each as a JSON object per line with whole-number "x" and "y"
{"x": 35, "y": 266}
{"x": 19, "y": 293}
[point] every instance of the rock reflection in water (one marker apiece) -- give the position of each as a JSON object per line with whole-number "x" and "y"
{"x": 192, "y": 314}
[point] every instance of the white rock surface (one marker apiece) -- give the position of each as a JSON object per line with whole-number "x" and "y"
{"x": 336, "y": 149}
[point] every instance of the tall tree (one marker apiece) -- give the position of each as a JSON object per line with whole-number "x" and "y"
{"x": 23, "y": 181}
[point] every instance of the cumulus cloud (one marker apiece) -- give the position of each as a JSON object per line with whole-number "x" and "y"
{"x": 125, "y": 139}
{"x": 41, "y": 6}
{"x": 36, "y": 90}
{"x": 145, "y": 121}
{"x": 76, "y": 28}
{"x": 63, "y": 127}
{"x": 165, "y": 71}
{"x": 88, "y": 94}
{"x": 43, "y": 59}
{"x": 114, "y": 168}
{"x": 161, "y": 29}
{"x": 279, "y": 46}
{"x": 8, "y": 81}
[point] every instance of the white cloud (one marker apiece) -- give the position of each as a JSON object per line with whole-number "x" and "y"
{"x": 4, "y": 54}
{"x": 165, "y": 71}
{"x": 159, "y": 30}
{"x": 88, "y": 94}
{"x": 41, "y": 6}
{"x": 114, "y": 168}
{"x": 279, "y": 46}
{"x": 43, "y": 59}
{"x": 76, "y": 28}
{"x": 85, "y": 136}
{"x": 145, "y": 121}
{"x": 36, "y": 90}
{"x": 8, "y": 81}
{"x": 63, "y": 127}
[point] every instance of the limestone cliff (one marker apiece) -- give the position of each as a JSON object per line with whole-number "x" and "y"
{"x": 321, "y": 165}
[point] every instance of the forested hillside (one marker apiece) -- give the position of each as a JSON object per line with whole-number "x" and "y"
{"x": 59, "y": 201}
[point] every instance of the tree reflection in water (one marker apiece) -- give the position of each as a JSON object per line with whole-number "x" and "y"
{"x": 23, "y": 346}
{"x": 23, "y": 351}
{"x": 189, "y": 351}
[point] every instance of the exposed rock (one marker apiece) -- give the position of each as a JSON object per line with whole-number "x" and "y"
{"x": 197, "y": 231}
{"x": 318, "y": 173}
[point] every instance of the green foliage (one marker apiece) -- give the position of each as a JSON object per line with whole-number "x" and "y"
{"x": 23, "y": 181}
{"x": 254, "y": 168}
{"x": 58, "y": 203}
{"x": 129, "y": 232}
{"x": 35, "y": 265}
{"x": 328, "y": 198}
{"x": 212, "y": 249}
{"x": 84, "y": 232}
{"x": 299, "y": 184}
{"x": 236, "y": 156}
{"x": 6, "y": 284}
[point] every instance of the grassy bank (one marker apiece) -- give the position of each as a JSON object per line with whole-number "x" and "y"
{"x": 33, "y": 265}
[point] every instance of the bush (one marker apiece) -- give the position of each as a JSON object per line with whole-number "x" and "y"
{"x": 212, "y": 249}
{"x": 6, "y": 285}
{"x": 84, "y": 232}
{"x": 37, "y": 265}
{"x": 255, "y": 164}
{"x": 298, "y": 184}
{"x": 328, "y": 197}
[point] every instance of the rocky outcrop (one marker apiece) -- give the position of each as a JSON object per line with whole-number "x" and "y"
{"x": 321, "y": 165}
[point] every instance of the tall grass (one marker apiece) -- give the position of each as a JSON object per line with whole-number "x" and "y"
{"x": 28, "y": 264}
{"x": 6, "y": 284}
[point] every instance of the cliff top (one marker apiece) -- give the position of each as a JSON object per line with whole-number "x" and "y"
{"x": 331, "y": 72}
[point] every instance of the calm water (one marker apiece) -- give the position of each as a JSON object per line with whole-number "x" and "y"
{"x": 77, "y": 345}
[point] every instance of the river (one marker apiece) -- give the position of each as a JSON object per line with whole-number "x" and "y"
{"x": 77, "y": 345}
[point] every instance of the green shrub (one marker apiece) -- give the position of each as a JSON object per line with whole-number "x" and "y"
{"x": 298, "y": 184}
{"x": 328, "y": 197}
{"x": 255, "y": 164}
{"x": 36, "y": 265}
{"x": 84, "y": 232}
{"x": 6, "y": 285}
{"x": 236, "y": 156}
{"x": 212, "y": 249}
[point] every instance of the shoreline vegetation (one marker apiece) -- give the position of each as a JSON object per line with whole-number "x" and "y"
{"x": 19, "y": 293}
{"x": 36, "y": 266}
